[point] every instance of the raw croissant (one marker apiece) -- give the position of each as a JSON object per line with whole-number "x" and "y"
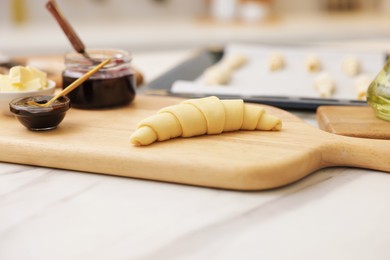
{"x": 276, "y": 62}
{"x": 351, "y": 66}
{"x": 208, "y": 115}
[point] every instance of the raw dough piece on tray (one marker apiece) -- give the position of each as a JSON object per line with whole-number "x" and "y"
{"x": 325, "y": 85}
{"x": 235, "y": 61}
{"x": 350, "y": 66}
{"x": 217, "y": 75}
{"x": 361, "y": 86}
{"x": 276, "y": 62}
{"x": 312, "y": 64}
{"x": 221, "y": 73}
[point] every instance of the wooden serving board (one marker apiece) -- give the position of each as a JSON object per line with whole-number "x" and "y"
{"x": 98, "y": 141}
{"x": 352, "y": 121}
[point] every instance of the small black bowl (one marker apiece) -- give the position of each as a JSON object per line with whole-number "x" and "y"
{"x": 38, "y": 118}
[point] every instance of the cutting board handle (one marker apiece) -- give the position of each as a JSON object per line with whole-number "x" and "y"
{"x": 358, "y": 152}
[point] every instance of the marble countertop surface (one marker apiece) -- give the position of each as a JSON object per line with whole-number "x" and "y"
{"x": 335, "y": 213}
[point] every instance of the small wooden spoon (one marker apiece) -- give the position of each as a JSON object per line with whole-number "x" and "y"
{"x": 72, "y": 86}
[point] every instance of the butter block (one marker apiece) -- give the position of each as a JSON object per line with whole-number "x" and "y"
{"x": 36, "y": 73}
{"x": 22, "y": 78}
{"x": 18, "y": 75}
{"x": 34, "y": 84}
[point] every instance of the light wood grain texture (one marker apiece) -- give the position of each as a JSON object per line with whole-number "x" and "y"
{"x": 98, "y": 141}
{"x": 352, "y": 121}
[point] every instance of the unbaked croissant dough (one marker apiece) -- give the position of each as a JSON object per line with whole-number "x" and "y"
{"x": 351, "y": 66}
{"x": 276, "y": 62}
{"x": 221, "y": 73}
{"x": 217, "y": 75}
{"x": 362, "y": 83}
{"x": 312, "y": 64}
{"x": 325, "y": 85}
{"x": 235, "y": 61}
{"x": 201, "y": 116}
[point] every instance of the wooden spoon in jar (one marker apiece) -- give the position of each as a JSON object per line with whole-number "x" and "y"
{"x": 72, "y": 86}
{"x": 70, "y": 33}
{"x": 75, "y": 40}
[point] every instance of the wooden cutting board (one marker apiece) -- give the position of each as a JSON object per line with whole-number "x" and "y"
{"x": 352, "y": 121}
{"x": 98, "y": 141}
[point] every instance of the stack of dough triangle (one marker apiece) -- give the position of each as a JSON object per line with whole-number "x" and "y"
{"x": 202, "y": 116}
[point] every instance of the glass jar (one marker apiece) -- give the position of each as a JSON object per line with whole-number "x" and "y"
{"x": 378, "y": 93}
{"x": 113, "y": 85}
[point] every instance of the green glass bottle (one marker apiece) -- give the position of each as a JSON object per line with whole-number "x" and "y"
{"x": 378, "y": 93}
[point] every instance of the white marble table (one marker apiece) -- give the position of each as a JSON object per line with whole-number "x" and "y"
{"x": 335, "y": 213}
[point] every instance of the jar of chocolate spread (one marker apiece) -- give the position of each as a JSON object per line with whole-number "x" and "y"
{"x": 112, "y": 86}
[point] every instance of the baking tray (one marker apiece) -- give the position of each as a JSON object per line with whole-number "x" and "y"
{"x": 193, "y": 67}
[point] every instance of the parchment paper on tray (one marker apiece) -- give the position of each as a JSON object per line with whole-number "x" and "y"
{"x": 293, "y": 80}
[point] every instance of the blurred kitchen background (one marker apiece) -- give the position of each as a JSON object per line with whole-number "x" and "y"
{"x": 138, "y": 25}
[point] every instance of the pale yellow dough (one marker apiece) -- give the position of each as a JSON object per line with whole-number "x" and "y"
{"x": 312, "y": 64}
{"x": 235, "y": 61}
{"x": 222, "y": 73}
{"x": 325, "y": 85}
{"x": 276, "y": 62}
{"x": 361, "y": 84}
{"x": 218, "y": 75}
{"x": 351, "y": 66}
{"x": 208, "y": 115}
{"x": 213, "y": 111}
